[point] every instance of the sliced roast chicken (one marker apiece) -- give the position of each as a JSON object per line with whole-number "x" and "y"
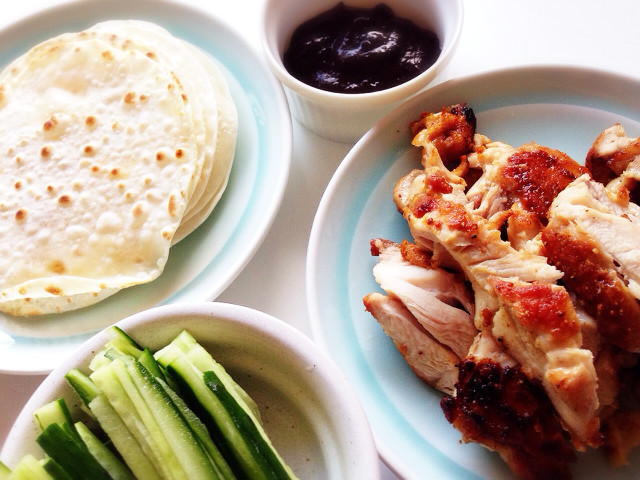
{"x": 525, "y": 269}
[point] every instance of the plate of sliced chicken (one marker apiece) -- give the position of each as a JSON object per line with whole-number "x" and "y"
{"x": 474, "y": 269}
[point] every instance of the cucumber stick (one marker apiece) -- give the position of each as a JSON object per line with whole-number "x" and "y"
{"x": 70, "y": 453}
{"x": 153, "y": 419}
{"x": 200, "y": 429}
{"x": 231, "y": 421}
{"x": 83, "y": 385}
{"x": 119, "y": 341}
{"x": 103, "y": 455}
{"x": 203, "y": 361}
{"x": 54, "y": 469}
{"x": 29, "y": 468}
{"x": 123, "y": 440}
{"x": 56, "y": 411}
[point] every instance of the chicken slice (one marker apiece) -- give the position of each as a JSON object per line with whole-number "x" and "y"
{"x": 594, "y": 241}
{"x": 431, "y": 361}
{"x": 436, "y": 208}
{"x": 433, "y": 296}
{"x": 611, "y": 153}
{"x": 614, "y": 161}
{"x": 542, "y": 315}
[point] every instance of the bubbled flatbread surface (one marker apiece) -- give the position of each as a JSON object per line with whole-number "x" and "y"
{"x": 172, "y": 54}
{"x": 101, "y": 151}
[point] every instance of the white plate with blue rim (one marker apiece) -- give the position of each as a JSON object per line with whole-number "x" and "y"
{"x": 202, "y": 265}
{"x": 561, "y": 107}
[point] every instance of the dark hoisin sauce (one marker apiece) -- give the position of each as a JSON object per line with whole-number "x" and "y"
{"x": 359, "y": 50}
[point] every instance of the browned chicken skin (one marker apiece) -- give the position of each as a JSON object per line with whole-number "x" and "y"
{"x": 504, "y": 410}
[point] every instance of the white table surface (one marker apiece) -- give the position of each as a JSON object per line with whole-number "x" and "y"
{"x": 496, "y": 34}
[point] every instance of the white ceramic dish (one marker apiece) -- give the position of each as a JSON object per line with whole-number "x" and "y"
{"x": 202, "y": 265}
{"x": 346, "y": 117}
{"x": 564, "y": 108}
{"x": 309, "y": 410}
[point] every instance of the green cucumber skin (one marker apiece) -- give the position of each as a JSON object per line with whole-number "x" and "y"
{"x": 244, "y": 457}
{"x": 123, "y": 342}
{"x": 83, "y": 385}
{"x": 103, "y": 455}
{"x": 192, "y": 457}
{"x": 72, "y": 456}
{"x": 189, "y": 393}
{"x": 200, "y": 429}
{"x": 123, "y": 440}
{"x": 271, "y": 465}
{"x": 203, "y": 361}
{"x": 149, "y": 362}
{"x": 54, "y": 469}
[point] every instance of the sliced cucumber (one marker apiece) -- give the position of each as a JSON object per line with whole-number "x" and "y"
{"x": 29, "y": 468}
{"x": 139, "y": 421}
{"x": 123, "y": 342}
{"x": 54, "y": 469}
{"x": 120, "y": 341}
{"x": 56, "y": 412}
{"x": 71, "y": 453}
{"x": 180, "y": 436}
{"x": 177, "y": 414}
{"x": 123, "y": 440}
{"x": 153, "y": 418}
{"x": 200, "y": 430}
{"x": 203, "y": 361}
{"x": 149, "y": 362}
{"x": 83, "y": 385}
{"x": 103, "y": 455}
{"x": 230, "y": 420}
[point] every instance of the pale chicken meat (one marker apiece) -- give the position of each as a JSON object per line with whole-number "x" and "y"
{"x": 548, "y": 247}
{"x": 427, "y": 311}
{"x": 594, "y": 241}
{"x": 431, "y": 361}
{"x": 439, "y": 300}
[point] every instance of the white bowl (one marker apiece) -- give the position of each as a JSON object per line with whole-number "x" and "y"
{"x": 309, "y": 410}
{"x": 346, "y": 117}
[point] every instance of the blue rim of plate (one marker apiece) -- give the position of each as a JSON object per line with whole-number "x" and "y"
{"x": 202, "y": 265}
{"x": 563, "y": 107}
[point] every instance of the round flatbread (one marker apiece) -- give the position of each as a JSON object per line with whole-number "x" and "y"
{"x": 107, "y": 144}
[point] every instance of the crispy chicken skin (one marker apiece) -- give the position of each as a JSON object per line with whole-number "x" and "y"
{"x": 549, "y": 250}
{"x": 501, "y": 408}
{"x": 452, "y": 134}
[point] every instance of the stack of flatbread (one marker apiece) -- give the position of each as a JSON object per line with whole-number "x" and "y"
{"x": 115, "y": 143}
